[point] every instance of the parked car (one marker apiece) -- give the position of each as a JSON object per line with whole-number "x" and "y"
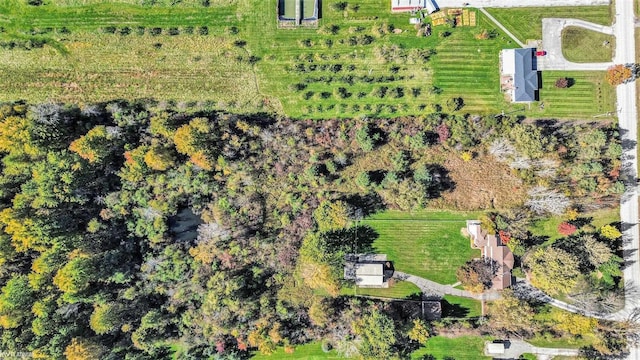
{"x": 541, "y": 53}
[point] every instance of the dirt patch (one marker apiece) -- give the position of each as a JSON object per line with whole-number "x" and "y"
{"x": 480, "y": 184}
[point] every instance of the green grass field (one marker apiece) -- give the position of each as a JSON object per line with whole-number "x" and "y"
{"x": 454, "y": 306}
{"x": 590, "y": 95}
{"x": 526, "y": 23}
{"x": 427, "y": 244}
{"x": 245, "y": 63}
{"x": 465, "y": 347}
{"x": 582, "y": 45}
{"x": 399, "y": 290}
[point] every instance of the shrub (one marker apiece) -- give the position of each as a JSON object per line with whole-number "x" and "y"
{"x": 562, "y": 83}
{"x": 173, "y": 31}
{"x": 610, "y": 232}
{"x": 397, "y": 92}
{"x": 340, "y": 6}
{"x": 326, "y": 346}
{"x": 125, "y": 30}
{"x": 455, "y": 104}
{"x": 466, "y": 156}
{"x": 109, "y": 30}
{"x": 566, "y": 229}
{"x": 155, "y": 31}
{"x": 203, "y": 30}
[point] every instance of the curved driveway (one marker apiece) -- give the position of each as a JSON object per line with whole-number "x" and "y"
{"x": 552, "y": 44}
{"x": 433, "y": 289}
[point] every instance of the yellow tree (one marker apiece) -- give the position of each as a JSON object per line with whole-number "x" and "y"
{"x": 94, "y": 145}
{"x": 610, "y": 232}
{"x": 84, "y": 349}
{"x": 190, "y": 140}
{"x": 574, "y": 324}
{"x": 419, "y": 332}
{"x": 75, "y": 275}
{"x": 554, "y": 271}
{"x": 159, "y": 158}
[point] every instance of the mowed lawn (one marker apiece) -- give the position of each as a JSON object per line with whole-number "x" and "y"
{"x": 590, "y": 95}
{"x": 468, "y": 68}
{"x": 526, "y": 23}
{"x": 398, "y": 290}
{"x": 426, "y": 244}
{"x": 585, "y": 46}
{"x": 463, "y": 348}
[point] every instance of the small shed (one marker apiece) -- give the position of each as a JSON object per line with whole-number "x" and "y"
{"x": 495, "y": 348}
{"x": 370, "y": 275}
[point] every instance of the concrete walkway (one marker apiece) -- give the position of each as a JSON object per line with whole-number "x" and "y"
{"x": 552, "y": 44}
{"x": 433, "y": 289}
{"x": 501, "y": 27}
{"x": 515, "y": 348}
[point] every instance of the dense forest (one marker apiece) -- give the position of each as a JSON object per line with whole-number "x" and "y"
{"x": 131, "y": 230}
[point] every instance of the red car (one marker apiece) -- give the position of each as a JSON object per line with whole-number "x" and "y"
{"x": 541, "y": 53}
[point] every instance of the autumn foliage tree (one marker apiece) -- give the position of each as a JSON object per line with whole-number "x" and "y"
{"x": 610, "y": 232}
{"x": 619, "y": 74}
{"x": 566, "y": 229}
{"x": 476, "y": 275}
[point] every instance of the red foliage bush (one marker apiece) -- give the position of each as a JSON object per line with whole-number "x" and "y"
{"x": 443, "y": 132}
{"x": 505, "y": 237}
{"x": 566, "y": 229}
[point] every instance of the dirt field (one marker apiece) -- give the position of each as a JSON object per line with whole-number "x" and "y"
{"x": 482, "y": 183}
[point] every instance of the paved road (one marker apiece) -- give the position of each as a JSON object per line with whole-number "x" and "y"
{"x": 627, "y": 117}
{"x": 552, "y": 44}
{"x": 433, "y": 289}
{"x": 515, "y": 348}
{"x": 519, "y": 3}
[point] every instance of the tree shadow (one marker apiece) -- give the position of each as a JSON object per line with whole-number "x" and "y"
{"x": 440, "y": 181}
{"x": 358, "y": 239}
{"x": 365, "y": 205}
{"x": 582, "y": 221}
{"x": 570, "y": 82}
{"x": 453, "y": 310}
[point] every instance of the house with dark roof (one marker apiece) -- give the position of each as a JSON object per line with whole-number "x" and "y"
{"x": 413, "y": 5}
{"x": 519, "y": 74}
{"x": 492, "y": 249}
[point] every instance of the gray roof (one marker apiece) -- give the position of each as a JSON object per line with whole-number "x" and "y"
{"x": 525, "y": 79}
